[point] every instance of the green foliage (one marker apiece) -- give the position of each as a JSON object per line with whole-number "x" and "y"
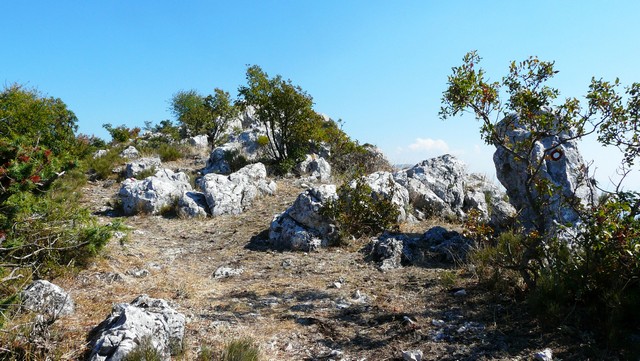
{"x": 169, "y": 152}
{"x": 241, "y": 350}
{"x": 208, "y": 115}
{"x": 102, "y": 167}
{"x": 358, "y": 212}
{"x": 262, "y": 141}
{"x": 121, "y": 133}
{"x": 165, "y": 127}
{"x": 287, "y": 113}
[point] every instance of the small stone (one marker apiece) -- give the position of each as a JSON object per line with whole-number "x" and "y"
{"x": 544, "y": 355}
{"x": 138, "y": 272}
{"x": 460, "y": 293}
{"x": 412, "y": 355}
{"x": 225, "y": 272}
{"x": 438, "y": 323}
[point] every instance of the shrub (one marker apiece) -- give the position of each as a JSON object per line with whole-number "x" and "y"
{"x": 102, "y": 167}
{"x": 358, "y": 212}
{"x": 168, "y": 152}
{"x": 262, "y": 141}
{"x": 121, "y": 133}
{"x": 235, "y": 159}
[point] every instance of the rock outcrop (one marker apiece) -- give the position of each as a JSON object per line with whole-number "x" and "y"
{"x": 45, "y": 298}
{"x": 436, "y": 186}
{"x": 140, "y": 165}
{"x": 560, "y": 164}
{"x": 154, "y": 193}
{"x": 232, "y": 194}
{"x": 143, "y": 320}
{"x": 302, "y": 227}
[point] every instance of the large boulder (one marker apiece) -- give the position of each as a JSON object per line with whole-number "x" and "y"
{"x": 436, "y": 185}
{"x": 141, "y": 165}
{"x": 154, "y": 193}
{"x": 314, "y": 168}
{"x": 302, "y": 227}
{"x": 143, "y": 320}
{"x": 384, "y": 185}
{"x": 47, "y": 299}
{"x": 232, "y": 194}
{"x": 561, "y": 166}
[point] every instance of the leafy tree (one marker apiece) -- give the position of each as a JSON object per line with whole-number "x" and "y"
{"x": 600, "y": 274}
{"x": 208, "y": 115}
{"x": 285, "y": 110}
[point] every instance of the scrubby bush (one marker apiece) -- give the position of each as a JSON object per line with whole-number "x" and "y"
{"x": 358, "y": 212}
{"x": 43, "y": 230}
{"x": 121, "y": 133}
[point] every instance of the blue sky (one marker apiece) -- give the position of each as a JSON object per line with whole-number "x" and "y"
{"x": 380, "y": 66}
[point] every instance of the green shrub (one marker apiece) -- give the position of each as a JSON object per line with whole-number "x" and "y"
{"x": 262, "y": 141}
{"x": 241, "y": 350}
{"x": 102, "y": 168}
{"x": 121, "y": 133}
{"x": 358, "y": 212}
{"x": 169, "y": 152}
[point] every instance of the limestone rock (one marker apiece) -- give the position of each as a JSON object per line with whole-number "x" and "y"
{"x": 314, "y": 168}
{"x": 140, "y": 165}
{"x": 154, "y": 193}
{"x": 193, "y": 205}
{"x": 130, "y": 153}
{"x": 436, "y": 185}
{"x": 563, "y": 168}
{"x": 491, "y": 201}
{"x": 387, "y": 251}
{"x": 48, "y": 299}
{"x": 232, "y": 194}
{"x": 384, "y": 185}
{"x": 451, "y": 246}
{"x": 199, "y": 141}
{"x": 99, "y": 153}
{"x": 145, "y": 319}
{"x": 301, "y": 227}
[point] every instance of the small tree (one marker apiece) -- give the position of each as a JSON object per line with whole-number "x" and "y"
{"x": 285, "y": 110}
{"x": 208, "y": 115}
{"x": 601, "y": 272}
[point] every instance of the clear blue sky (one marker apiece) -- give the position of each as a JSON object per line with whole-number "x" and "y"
{"x": 380, "y": 66}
